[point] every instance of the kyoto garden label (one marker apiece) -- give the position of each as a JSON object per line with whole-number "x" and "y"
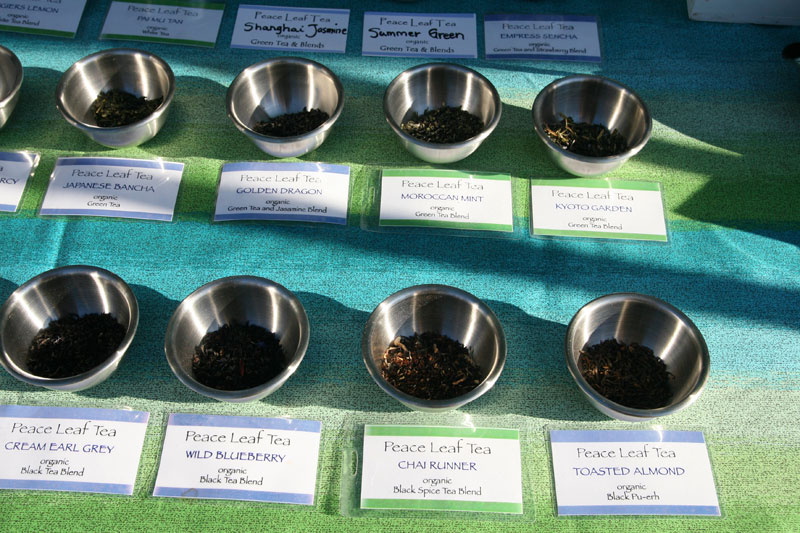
{"x": 291, "y": 29}
{"x": 111, "y": 187}
{"x": 239, "y": 458}
{"x": 57, "y": 18}
{"x": 598, "y": 208}
{"x": 15, "y": 170}
{"x": 446, "y": 199}
{"x": 194, "y": 23}
{"x": 546, "y": 37}
{"x": 441, "y": 468}
{"x": 451, "y": 35}
{"x": 648, "y": 472}
{"x": 308, "y": 192}
{"x": 70, "y": 449}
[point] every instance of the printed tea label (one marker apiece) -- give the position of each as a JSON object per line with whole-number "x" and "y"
{"x": 307, "y": 192}
{"x": 57, "y": 18}
{"x": 446, "y": 199}
{"x": 180, "y": 22}
{"x": 70, "y": 449}
{"x": 239, "y": 458}
{"x": 452, "y": 35}
{"x": 441, "y": 468}
{"x": 633, "y": 473}
{"x": 598, "y": 208}
{"x": 291, "y": 29}
{"x": 111, "y": 187}
{"x": 549, "y": 37}
{"x": 15, "y": 170}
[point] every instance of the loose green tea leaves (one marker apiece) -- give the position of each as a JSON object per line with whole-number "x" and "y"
{"x": 628, "y": 374}
{"x": 443, "y": 125}
{"x": 430, "y": 366}
{"x": 237, "y": 357}
{"x": 119, "y": 108}
{"x": 582, "y": 138}
{"x": 73, "y": 345}
{"x": 292, "y": 124}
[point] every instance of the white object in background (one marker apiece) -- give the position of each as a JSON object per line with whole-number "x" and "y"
{"x": 780, "y": 12}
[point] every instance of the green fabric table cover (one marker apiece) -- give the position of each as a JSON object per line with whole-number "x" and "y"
{"x": 725, "y": 147}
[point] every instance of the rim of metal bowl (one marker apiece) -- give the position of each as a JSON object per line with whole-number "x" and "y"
{"x": 420, "y": 403}
{"x": 487, "y": 130}
{"x": 285, "y": 140}
{"x": 243, "y": 394}
{"x": 112, "y": 359}
{"x": 630, "y": 152}
{"x": 19, "y": 71}
{"x": 116, "y": 52}
{"x": 644, "y": 414}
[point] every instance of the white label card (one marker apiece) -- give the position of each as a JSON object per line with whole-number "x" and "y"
{"x": 307, "y": 192}
{"x": 181, "y": 22}
{"x": 111, "y": 187}
{"x": 633, "y": 473}
{"x": 547, "y": 37}
{"x": 70, "y": 449}
{"x": 598, "y": 208}
{"x": 446, "y": 199}
{"x": 441, "y": 468}
{"x": 291, "y": 29}
{"x": 57, "y": 18}
{"x": 239, "y": 458}
{"x": 15, "y": 170}
{"x": 451, "y": 35}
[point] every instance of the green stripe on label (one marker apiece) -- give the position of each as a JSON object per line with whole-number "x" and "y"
{"x": 35, "y": 31}
{"x": 600, "y": 184}
{"x": 599, "y": 234}
{"x": 439, "y": 173}
{"x": 438, "y": 431}
{"x": 121, "y": 37}
{"x": 447, "y": 224}
{"x": 178, "y": 3}
{"x": 442, "y": 505}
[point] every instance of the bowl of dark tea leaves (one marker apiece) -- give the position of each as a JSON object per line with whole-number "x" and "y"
{"x": 636, "y": 357}
{"x": 67, "y": 328}
{"x": 118, "y": 97}
{"x": 433, "y": 347}
{"x": 11, "y": 74}
{"x": 590, "y": 125}
{"x": 237, "y": 339}
{"x": 441, "y": 112}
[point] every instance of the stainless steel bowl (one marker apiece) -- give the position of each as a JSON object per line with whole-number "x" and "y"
{"x": 280, "y": 86}
{"x": 441, "y": 309}
{"x": 10, "y": 82}
{"x": 134, "y": 71}
{"x": 648, "y": 321}
{"x": 595, "y": 100}
{"x": 57, "y": 293}
{"x": 432, "y": 86}
{"x": 242, "y": 299}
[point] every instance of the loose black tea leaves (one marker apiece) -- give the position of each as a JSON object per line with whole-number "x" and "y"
{"x": 430, "y": 366}
{"x": 292, "y": 124}
{"x": 582, "y": 138}
{"x": 73, "y": 345}
{"x": 628, "y": 374}
{"x": 116, "y": 108}
{"x": 237, "y": 357}
{"x": 444, "y": 125}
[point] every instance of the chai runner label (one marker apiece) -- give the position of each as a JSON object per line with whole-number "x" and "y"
{"x": 70, "y": 449}
{"x": 306, "y": 192}
{"x": 547, "y": 37}
{"x": 16, "y": 168}
{"x": 633, "y": 473}
{"x": 451, "y": 35}
{"x": 171, "y": 22}
{"x": 239, "y": 458}
{"x": 441, "y": 468}
{"x": 57, "y": 18}
{"x": 291, "y": 29}
{"x": 111, "y": 187}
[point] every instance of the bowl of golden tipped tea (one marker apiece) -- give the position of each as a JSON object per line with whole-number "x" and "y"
{"x": 10, "y": 82}
{"x": 118, "y": 97}
{"x": 636, "y": 357}
{"x": 67, "y": 328}
{"x": 590, "y": 125}
{"x": 441, "y": 112}
{"x": 237, "y": 339}
{"x": 286, "y": 105}
{"x": 433, "y": 347}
